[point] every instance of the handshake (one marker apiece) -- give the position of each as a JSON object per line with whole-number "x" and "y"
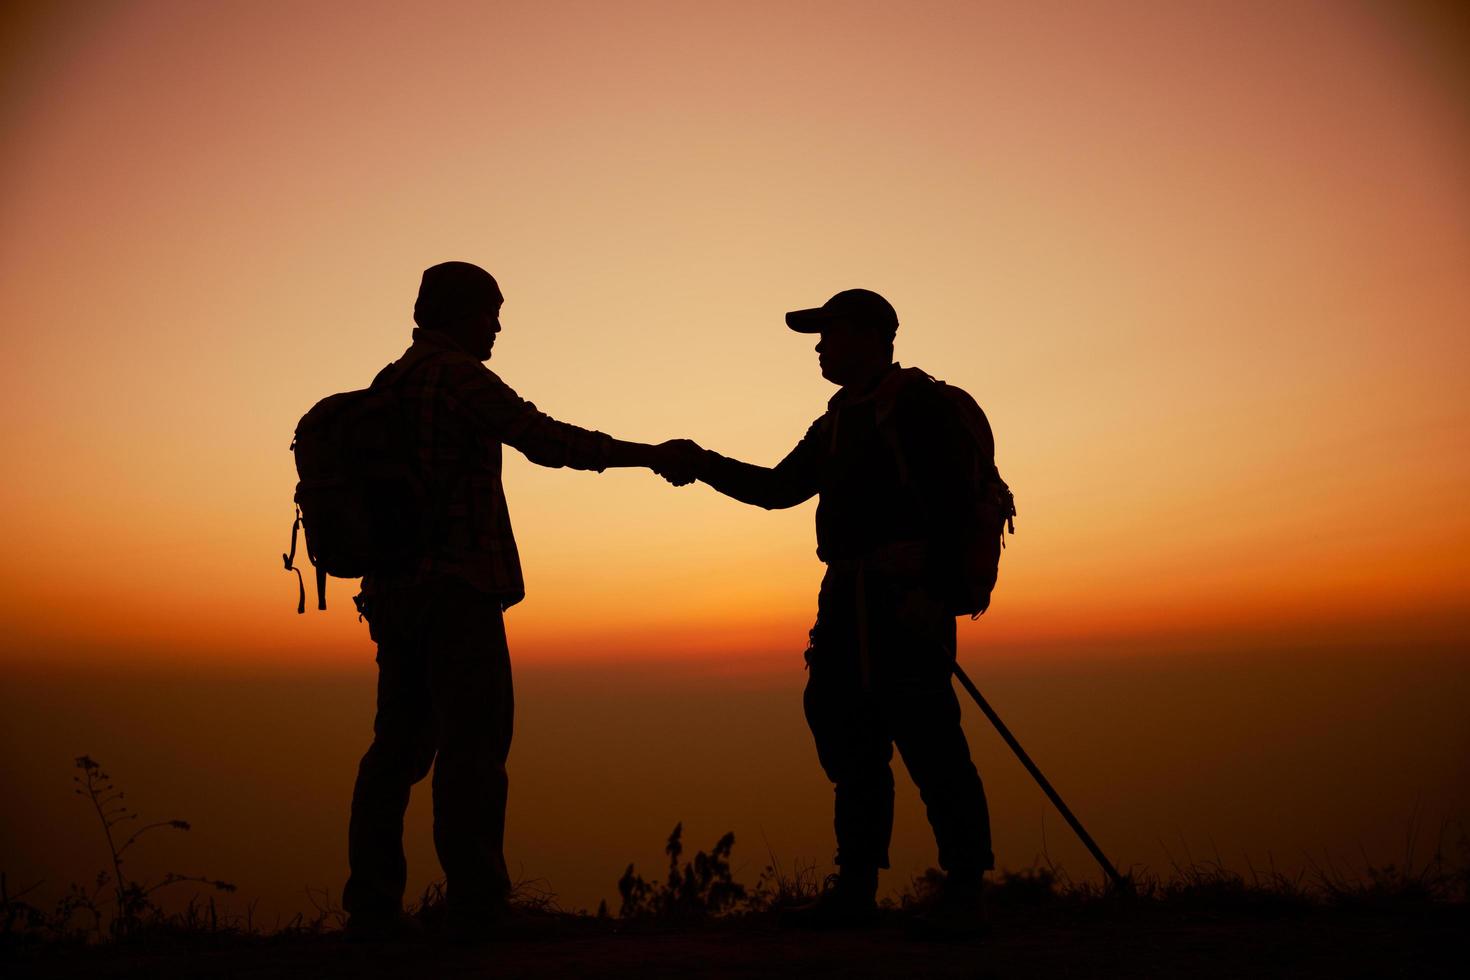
{"x": 680, "y": 461}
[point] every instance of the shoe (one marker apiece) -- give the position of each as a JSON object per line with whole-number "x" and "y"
{"x": 956, "y": 914}
{"x": 395, "y": 927}
{"x": 474, "y": 924}
{"x": 848, "y": 902}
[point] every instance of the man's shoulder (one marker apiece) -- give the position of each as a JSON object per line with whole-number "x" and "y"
{"x": 910, "y": 390}
{"x": 452, "y": 366}
{"x": 828, "y": 416}
{"x": 930, "y": 408}
{"x": 920, "y": 387}
{"x": 950, "y": 412}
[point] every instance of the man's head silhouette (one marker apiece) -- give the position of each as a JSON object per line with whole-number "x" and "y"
{"x": 857, "y": 328}
{"x": 463, "y": 302}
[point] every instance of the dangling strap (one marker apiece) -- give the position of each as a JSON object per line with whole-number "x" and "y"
{"x": 321, "y": 587}
{"x": 290, "y": 561}
{"x": 890, "y": 436}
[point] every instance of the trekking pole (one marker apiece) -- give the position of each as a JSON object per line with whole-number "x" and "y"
{"x": 1118, "y": 880}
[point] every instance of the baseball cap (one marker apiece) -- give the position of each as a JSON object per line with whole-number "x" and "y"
{"x": 860, "y": 306}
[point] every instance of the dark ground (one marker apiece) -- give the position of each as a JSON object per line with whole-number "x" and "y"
{"x": 1430, "y": 941}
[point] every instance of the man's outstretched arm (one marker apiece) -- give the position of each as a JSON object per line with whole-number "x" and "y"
{"x": 788, "y": 483}
{"x": 548, "y": 442}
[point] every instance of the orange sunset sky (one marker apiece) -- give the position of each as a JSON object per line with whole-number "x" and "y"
{"x": 1204, "y": 265}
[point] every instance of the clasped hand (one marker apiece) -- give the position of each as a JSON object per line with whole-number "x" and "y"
{"x": 678, "y": 461}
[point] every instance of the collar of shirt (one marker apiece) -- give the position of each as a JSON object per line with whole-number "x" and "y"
{"x": 847, "y": 396}
{"x": 435, "y": 339}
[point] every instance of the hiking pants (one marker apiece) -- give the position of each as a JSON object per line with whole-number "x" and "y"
{"x": 444, "y": 700}
{"x": 880, "y": 663}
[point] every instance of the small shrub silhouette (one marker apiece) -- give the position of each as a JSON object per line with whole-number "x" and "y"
{"x": 132, "y": 904}
{"x": 699, "y": 889}
{"x": 1437, "y": 879}
{"x": 776, "y": 888}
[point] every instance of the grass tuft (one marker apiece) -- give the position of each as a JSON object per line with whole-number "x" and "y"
{"x": 114, "y": 904}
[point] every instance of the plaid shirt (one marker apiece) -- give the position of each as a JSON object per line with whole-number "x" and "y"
{"x": 463, "y": 413}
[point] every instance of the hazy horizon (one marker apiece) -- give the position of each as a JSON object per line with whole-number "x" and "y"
{"x": 1244, "y": 756}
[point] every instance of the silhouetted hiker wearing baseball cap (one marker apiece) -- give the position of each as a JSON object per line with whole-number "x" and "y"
{"x": 888, "y": 460}
{"x": 444, "y": 679}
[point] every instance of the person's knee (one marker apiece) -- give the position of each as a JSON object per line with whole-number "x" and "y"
{"x": 474, "y": 719}
{"x": 421, "y": 761}
{"x": 869, "y": 782}
{"x": 945, "y": 776}
{"x": 397, "y": 759}
{"x": 471, "y": 760}
{"x": 849, "y": 756}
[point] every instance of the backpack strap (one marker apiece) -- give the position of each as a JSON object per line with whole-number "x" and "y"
{"x": 885, "y": 401}
{"x": 893, "y": 387}
{"x": 290, "y": 560}
{"x": 900, "y": 458}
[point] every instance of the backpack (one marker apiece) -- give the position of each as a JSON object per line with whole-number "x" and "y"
{"x": 989, "y": 508}
{"x": 360, "y": 499}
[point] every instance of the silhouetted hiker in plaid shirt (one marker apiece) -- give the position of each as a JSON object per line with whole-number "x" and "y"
{"x": 444, "y": 679}
{"x": 888, "y": 460}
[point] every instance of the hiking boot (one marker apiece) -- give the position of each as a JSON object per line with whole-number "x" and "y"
{"x": 471, "y": 924}
{"x": 848, "y": 902}
{"x": 393, "y": 927}
{"x": 957, "y": 912}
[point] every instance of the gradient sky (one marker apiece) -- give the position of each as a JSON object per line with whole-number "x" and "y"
{"x": 1203, "y": 264}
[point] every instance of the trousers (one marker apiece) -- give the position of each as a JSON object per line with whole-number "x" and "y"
{"x": 880, "y": 662}
{"x": 444, "y": 701}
